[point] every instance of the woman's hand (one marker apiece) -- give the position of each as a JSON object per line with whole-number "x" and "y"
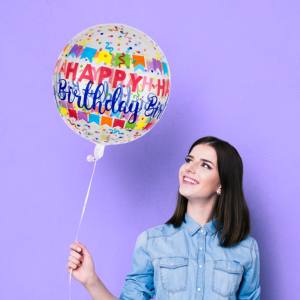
{"x": 81, "y": 263}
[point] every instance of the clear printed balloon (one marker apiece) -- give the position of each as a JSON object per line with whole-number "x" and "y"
{"x": 111, "y": 84}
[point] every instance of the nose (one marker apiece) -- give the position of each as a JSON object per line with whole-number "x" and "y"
{"x": 191, "y": 167}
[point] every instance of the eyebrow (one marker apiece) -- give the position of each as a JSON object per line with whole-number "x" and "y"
{"x": 203, "y": 159}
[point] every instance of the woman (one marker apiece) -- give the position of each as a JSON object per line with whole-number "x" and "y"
{"x": 204, "y": 251}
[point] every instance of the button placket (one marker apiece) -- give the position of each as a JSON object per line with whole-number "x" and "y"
{"x": 201, "y": 257}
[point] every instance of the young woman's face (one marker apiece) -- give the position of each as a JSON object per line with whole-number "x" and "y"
{"x": 199, "y": 176}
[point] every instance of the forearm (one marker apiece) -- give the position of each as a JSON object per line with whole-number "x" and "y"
{"x": 98, "y": 291}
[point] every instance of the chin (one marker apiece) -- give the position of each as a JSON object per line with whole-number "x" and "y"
{"x": 185, "y": 193}
{"x": 192, "y": 194}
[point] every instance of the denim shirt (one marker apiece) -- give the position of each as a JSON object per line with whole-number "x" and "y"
{"x": 187, "y": 263}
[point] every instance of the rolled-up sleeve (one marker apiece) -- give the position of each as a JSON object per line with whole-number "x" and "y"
{"x": 139, "y": 282}
{"x": 250, "y": 285}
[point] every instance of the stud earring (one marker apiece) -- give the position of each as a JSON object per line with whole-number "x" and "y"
{"x": 219, "y": 191}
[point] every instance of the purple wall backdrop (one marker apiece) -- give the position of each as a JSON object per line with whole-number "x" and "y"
{"x": 235, "y": 74}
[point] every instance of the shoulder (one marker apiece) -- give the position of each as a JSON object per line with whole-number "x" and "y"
{"x": 161, "y": 230}
{"x": 248, "y": 242}
{"x": 150, "y": 233}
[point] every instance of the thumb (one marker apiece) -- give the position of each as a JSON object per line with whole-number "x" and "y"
{"x": 84, "y": 250}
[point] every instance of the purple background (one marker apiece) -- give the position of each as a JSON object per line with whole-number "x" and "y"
{"x": 235, "y": 74}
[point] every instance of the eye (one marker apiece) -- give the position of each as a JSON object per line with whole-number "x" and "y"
{"x": 187, "y": 159}
{"x": 205, "y": 165}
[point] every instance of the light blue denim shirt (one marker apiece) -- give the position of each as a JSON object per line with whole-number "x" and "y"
{"x": 187, "y": 263}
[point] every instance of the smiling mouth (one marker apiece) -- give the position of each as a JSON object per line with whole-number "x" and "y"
{"x": 190, "y": 180}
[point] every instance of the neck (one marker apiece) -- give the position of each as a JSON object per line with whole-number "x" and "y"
{"x": 200, "y": 209}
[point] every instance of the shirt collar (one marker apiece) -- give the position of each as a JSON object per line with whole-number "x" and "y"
{"x": 192, "y": 226}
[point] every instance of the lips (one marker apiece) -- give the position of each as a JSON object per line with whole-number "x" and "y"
{"x": 187, "y": 179}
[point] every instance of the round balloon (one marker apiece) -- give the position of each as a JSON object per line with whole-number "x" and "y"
{"x": 111, "y": 83}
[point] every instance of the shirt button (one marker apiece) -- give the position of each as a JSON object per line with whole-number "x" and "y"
{"x": 203, "y": 231}
{"x": 198, "y": 289}
{"x": 200, "y": 266}
{"x": 201, "y": 248}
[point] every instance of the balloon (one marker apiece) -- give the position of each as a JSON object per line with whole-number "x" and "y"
{"x": 111, "y": 84}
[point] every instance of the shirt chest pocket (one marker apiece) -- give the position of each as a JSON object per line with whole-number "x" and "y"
{"x": 173, "y": 273}
{"x": 227, "y": 276}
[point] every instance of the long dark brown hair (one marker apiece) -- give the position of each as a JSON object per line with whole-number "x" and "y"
{"x": 230, "y": 209}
